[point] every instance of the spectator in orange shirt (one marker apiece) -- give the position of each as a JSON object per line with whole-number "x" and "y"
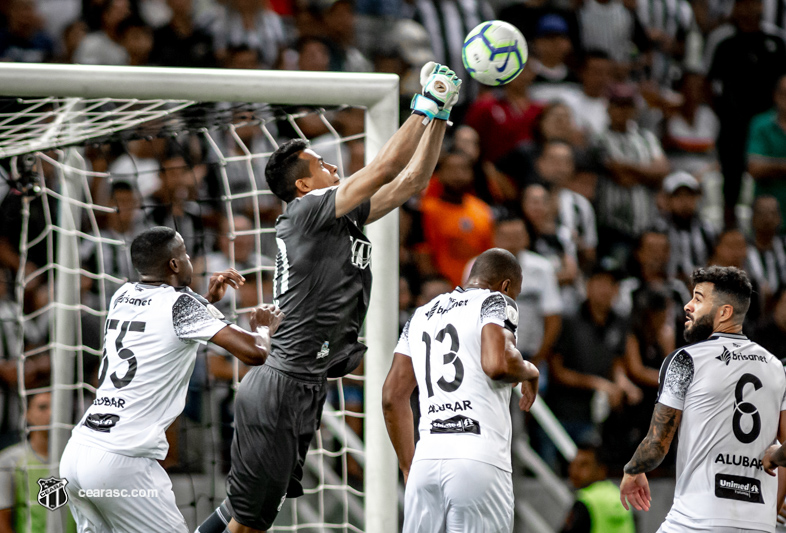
{"x": 456, "y": 224}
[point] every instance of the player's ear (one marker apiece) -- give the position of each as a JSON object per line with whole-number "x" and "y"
{"x": 174, "y": 265}
{"x": 503, "y": 288}
{"x": 726, "y": 312}
{"x": 302, "y": 185}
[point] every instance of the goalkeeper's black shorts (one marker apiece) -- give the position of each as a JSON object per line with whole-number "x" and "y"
{"x": 276, "y": 417}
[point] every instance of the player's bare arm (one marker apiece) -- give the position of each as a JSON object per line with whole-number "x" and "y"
{"x": 774, "y": 463}
{"x": 219, "y": 281}
{"x": 775, "y": 455}
{"x": 251, "y": 347}
{"x": 415, "y": 176}
{"x": 440, "y": 93}
{"x": 399, "y": 421}
{"x": 650, "y": 453}
{"x": 502, "y": 361}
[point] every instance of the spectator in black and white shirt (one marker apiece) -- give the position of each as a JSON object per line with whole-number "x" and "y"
{"x": 448, "y": 22}
{"x": 691, "y": 238}
{"x": 636, "y": 166}
{"x": 122, "y": 226}
{"x": 182, "y": 42}
{"x": 610, "y": 26}
{"x": 248, "y": 23}
{"x": 556, "y": 165}
{"x": 766, "y": 261}
{"x": 743, "y": 63}
{"x": 672, "y": 28}
{"x": 551, "y": 49}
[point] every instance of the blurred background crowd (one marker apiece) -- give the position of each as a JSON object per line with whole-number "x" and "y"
{"x": 644, "y": 139}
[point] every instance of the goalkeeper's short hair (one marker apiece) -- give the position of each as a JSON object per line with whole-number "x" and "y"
{"x": 285, "y": 167}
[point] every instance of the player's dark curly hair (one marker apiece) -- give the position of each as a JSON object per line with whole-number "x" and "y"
{"x": 151, "y": 250}
{"x": 284, "y": 168}
{"x": 730, "y": 286}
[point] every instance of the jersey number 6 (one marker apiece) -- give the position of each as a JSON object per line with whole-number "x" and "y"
{"x": 123, "y": 353}
{"x": 449, "y": 358}
{"x": 742, "y": 407}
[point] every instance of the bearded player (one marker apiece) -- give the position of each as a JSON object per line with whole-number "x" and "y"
{"x": 727, "y": 397}
{"x": 322, "y": 284}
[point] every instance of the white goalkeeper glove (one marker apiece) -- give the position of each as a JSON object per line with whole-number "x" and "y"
{"x": 440, "y": 92}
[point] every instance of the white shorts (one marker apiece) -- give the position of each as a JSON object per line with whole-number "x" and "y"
{"x": 458, "y": 496}
{"x": 111, "y": 493}
{"x": 672, "y": 526}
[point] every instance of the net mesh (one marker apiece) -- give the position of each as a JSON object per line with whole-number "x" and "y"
{"x": 117, "y": 167}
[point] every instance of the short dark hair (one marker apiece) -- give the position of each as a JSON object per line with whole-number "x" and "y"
{"x": 730, "y": 285}
{"x": 496, "y": 265}
{"x": 594, "y": 54}
{"x": 601, "y": 454}
{"x": 152, "y": 249}
{"x": 451, "y": 150}
{"x": 652, "y": 230}
{"x": 121, "y": 186}
{"x": 547, "y": 143}
{"x": 132, "y": 22}
{"x": 284, "y": 168}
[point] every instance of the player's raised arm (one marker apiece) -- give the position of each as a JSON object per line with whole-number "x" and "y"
{"x": 251, "y": 347}
{"x": 415, "y": 176}
{"x": 440, "y": 93}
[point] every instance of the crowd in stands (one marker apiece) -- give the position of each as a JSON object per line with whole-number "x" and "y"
{"x": 643, "y": 139}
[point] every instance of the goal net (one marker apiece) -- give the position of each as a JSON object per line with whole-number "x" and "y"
{"x": 94, "y": 155}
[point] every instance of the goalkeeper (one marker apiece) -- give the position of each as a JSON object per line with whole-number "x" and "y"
{"x": 322, "y": 284}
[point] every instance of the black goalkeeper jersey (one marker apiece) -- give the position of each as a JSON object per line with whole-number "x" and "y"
{"x": 322, "y": 284}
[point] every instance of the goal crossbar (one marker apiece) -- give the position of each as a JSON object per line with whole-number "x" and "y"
{"x": 198, "y": 84}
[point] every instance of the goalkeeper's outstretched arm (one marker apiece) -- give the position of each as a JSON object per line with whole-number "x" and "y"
{"x": 440, "y": 92}
{"x": 415, "y": 176}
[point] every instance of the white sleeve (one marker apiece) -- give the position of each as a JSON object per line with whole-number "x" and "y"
{"x": 501, "y": 310}
{"x": 7, "y": 474}
{"x": 403, "y": 341}
{"x": 550, "y": 300}
{"x": 192, "y": 320}
{"x": 783, "y": 400}
{"x": 676, "y": 376}
{"x": 656, "y": 151}
{"x": 588, "y": 221}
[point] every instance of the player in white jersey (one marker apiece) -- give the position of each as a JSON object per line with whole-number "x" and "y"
{"x": 726, "y": 395}
{"x": 152, "y": 333}
{"x": 460, "y": 350}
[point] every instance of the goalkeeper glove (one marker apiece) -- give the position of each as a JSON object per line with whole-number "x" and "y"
{"x": 440, "y": 92}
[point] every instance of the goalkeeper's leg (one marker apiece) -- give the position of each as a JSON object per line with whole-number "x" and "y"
{"x": 216, "y": 522}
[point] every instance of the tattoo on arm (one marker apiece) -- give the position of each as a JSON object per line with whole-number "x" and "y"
{"x": 652, "y": 450}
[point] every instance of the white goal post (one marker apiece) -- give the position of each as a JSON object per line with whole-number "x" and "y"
{"x": 378, "y": 93}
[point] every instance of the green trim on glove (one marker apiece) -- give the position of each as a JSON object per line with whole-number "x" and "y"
{"x": 425, "y": 106}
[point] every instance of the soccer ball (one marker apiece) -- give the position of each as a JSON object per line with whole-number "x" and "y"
{"x": 494, "y": 52}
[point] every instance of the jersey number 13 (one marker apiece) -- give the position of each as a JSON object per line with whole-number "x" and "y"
{"x": 450, "y": 358}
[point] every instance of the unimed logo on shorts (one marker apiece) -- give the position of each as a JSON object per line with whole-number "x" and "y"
{"x": 743, "y": 489}
{"x": 52, "y": 493}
